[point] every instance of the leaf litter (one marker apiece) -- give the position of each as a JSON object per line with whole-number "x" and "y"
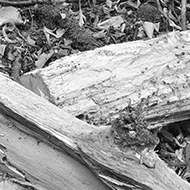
{"x": 39, "y": 32}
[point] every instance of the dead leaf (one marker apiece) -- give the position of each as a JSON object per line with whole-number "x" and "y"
{"x": 2, "y": 49}
{"x": 63, "y": 15}
{"x": 115, "y": 22}
{"x": 123, "y": 26}
{"x": 109, "y": 3}
{"x": 149, "y": 28}
{"x": 157, "y": 26}
{"x": 60, "y": 32}
{"x": 187, "y": 153}
{"x": 10, "y": 14}
{"x": 141, "y": 33}
{"x": 9, "y": 26}
{"x": 82, "y": 18}
{"x": 16, "y": 68}
{"x": 179, "y": 154}
{"x": 172, "y": 24}
{"x": 43, "y": 58}
{"x": 6, "y": 37}
{"x": 99, "y": 35}
{"x": 67, "y": 42}
{"x": 30, "y": 41}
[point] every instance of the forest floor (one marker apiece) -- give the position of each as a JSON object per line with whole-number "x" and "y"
{"x": 35, "y": 33}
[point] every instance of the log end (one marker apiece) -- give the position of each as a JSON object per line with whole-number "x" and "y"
{"x": 36, "y": 85}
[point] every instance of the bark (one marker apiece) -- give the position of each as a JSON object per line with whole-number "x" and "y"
{"x": 41, "y": 126}
{"x": 96, "y": 85}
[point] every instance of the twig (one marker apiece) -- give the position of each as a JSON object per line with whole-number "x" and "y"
{"x": 183, "y": 14}
{"x": 27, "y": 3}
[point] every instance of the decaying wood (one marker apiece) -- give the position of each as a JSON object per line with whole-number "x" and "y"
{"x": 98, "y": 84}
{"x": 86, "y": 143}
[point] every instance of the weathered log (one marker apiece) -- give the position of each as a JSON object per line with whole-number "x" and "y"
{"x": 30, "y": 160}
{"x": 98, "y": 84}
{"x": 23, "y": 132}
{"x": 34, "y": 115}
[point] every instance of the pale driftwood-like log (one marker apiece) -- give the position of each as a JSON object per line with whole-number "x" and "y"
{"x": 94, "y": 146}
{"x": 98, "y": 84}
{"x": 31, "y": 162}
{"x": 26, "y": 156}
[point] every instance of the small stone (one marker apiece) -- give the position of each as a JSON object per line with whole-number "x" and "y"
{"x": 148, "y": 158}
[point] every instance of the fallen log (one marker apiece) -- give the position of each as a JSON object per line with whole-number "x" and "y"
{"x": 30, "y": 162}
{"x": 27, "y": 153}
{"x": 36, "y": 118}
{"x": 96, "y": 85}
